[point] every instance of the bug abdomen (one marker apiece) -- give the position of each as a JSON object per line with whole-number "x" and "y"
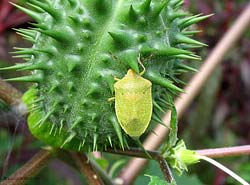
{"x": 133, "y": 106}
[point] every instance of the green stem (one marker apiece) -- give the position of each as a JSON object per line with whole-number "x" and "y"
{"x": 225, "y": 169}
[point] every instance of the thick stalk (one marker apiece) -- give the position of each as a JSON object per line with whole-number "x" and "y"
{"x": 86, "y": 169}
{"x": 225, "y": 152}
{"x": 102, "y": 173}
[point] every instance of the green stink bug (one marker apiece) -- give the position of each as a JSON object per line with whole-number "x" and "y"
{"x": 133, "y": 103}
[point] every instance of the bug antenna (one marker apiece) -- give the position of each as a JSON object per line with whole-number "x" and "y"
{"x": 140, "y": 62}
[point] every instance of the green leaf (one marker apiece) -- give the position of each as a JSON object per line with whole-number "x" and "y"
{"x": 173, "y": 125}
{"x": 114, "y": 168}
{"x": 172, "y": 137}
{"x": 154, "y": 180}
{"x": 103, "y": 163}
{"x": 153, "y": 169}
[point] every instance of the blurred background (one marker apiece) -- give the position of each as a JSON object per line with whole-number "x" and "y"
{"x": 219, "y": 116}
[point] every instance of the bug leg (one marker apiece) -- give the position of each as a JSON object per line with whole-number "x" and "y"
{"x": 111, "y": 99}
{"x": 116, "y": 79}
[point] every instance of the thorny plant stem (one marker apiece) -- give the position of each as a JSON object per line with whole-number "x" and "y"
{"x": 212, "y": 153}
{"x": 166, "y": 169}
{"x": 36, "y": 163}
{"x": 103, "y": 174}
{"x": 152, "y": 142}
{"x": 30, "y": 169}
{"x": 9, "y": 94}
{"x": 86, "y": 169}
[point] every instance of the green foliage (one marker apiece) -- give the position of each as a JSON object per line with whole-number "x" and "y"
{"x": 114, "y": 168}
{"x": 80, "y": 46}
{"x": 154, "y": 180}
{"x": 103, "y": 163}
{"x": 188, "y": 179}
{"x": 153, "y": 169}
{"x": 179, "y": 157}
{"x": 242, "y": 169}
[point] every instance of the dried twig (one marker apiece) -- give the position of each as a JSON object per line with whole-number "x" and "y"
{"x": 154, "y": 141}
{"x": 9, "y": 94}
{"x": 86, "y": 169}
{"x": 102, "y": 173}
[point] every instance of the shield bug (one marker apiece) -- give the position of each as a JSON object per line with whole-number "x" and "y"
{"x": 133, "y": 102}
